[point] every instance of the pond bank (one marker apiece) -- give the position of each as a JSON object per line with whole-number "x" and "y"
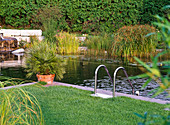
{"x": 98, "y": 90}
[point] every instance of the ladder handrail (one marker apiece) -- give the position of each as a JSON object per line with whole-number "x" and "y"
{"x": 114, "y": 79}
{"x": 95, "y": 86}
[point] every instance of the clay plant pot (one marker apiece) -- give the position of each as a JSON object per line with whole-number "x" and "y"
{"x": 46, "y": 78}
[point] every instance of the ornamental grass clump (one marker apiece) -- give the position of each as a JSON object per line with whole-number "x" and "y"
{"x": 18, "y": 106}
{"x": 132, "y": 41}
{"x": 67, "y": 43}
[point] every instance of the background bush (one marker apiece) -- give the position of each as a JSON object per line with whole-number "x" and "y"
{"x": 80, "y": 15}
{"x": 151, "y": 8}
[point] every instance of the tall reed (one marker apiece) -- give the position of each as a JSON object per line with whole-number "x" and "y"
{"x": 18, "y": 106}
{"x": 132, "y": 41}
{"x": 100, "y": 44}
{"x": 67, "y": 43}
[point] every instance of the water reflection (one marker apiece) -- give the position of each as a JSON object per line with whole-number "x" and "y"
{"x": 7, "y": 59}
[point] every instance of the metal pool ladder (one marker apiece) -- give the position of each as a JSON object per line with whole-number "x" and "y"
{"x": 114, "y": 78}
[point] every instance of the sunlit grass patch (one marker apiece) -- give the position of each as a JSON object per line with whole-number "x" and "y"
{"x": 67, "y": 105}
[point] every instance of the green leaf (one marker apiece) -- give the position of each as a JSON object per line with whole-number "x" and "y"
{"x": 165, "y": 62}
{"x": 146, "y": 83}
{"x": 160, "y": 54}
{"x": 139, "y": 76}
{"x": 140, "y": 116}
{"x": 145, "y": 115}
{"x": 142, "y": 63}
{"x": 149, "y": 34}
{"x": 162, "y": 25}
{"x": 166, "y": 7}
{"x": 157, "y": 116}
{"x": 160, "y": 90}
{"x": 140, "y": 123}
{"x": 153, "y": 91}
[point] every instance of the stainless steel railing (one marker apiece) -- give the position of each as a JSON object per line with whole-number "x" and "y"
{"x": 95, "y": 86}
{"x": 114, "y": 78}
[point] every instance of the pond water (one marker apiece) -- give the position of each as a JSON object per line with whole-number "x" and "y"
{"x": 80, "y": 70}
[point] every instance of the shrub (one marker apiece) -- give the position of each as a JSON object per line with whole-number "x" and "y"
{"x": 49, "y": 19}
{"x": 46, "y": 14}
{"x": 50, "y": 31}
{"x": 151, "y": 8}
{"x": 132, "y": 40}
{"x": 80, "y": 15}
{"x": 67, "y": 43}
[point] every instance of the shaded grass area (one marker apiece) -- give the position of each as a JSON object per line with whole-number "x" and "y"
{"x": 66, "y": 106}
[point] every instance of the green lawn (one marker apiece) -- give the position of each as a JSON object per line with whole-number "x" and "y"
{"x": 70, "y": 106}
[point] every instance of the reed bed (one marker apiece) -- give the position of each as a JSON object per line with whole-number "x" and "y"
{"x": 101, "y": 44}
{"x": 67, "y": 43}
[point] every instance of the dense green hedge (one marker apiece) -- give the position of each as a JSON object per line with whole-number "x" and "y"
{"x": 153, "y": 7}
{"x": 82, "y": 15}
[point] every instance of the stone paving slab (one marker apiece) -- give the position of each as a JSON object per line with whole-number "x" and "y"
{"x": 26, "y": 84}
{"x": 98, "y": 91}
{"x": 110, "y": 93}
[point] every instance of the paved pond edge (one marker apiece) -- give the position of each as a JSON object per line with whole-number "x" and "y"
{"x": 98, "y": 90}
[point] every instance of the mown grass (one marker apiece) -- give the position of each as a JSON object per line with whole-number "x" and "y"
{"x": 70, "y": 106}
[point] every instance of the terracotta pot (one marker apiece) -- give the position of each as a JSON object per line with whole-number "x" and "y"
{"x": 46, "y": 78}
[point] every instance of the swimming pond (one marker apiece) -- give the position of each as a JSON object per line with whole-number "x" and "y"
{"x": 80, "y": 70}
